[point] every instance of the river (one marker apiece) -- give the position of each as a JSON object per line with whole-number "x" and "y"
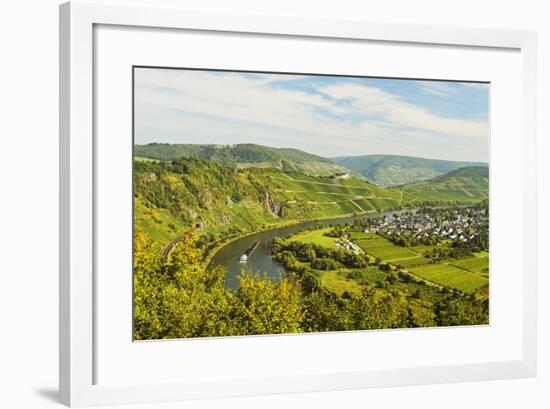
{"x": 261, "y": 260}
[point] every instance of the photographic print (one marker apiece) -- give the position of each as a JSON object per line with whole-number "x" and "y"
{"x": 275, "y": 203}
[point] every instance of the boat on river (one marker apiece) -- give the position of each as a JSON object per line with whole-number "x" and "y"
{"x": 229, "y": 255}
{"x": 249, "y": 251}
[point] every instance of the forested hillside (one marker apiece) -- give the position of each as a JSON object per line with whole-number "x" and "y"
{"x": 242, "y": 156}
{"x": 391, "y": 170}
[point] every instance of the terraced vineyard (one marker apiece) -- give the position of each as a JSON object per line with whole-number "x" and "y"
{"x": 217, "y": 198}
{"x": 321, "y": 197}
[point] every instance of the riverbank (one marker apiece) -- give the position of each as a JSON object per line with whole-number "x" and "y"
{"x": 294, "y": 223}
{"x": 228, "y": 255}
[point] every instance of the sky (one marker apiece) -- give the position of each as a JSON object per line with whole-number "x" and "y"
{"x": 324, "y": 115}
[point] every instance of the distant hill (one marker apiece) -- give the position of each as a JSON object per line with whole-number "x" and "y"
{"x": 392, "y": 170}
{"x": 243, "y": 156}
{"x": 464, "y": 184}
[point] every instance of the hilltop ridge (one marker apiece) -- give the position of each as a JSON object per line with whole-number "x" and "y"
{"x": 463, "y": 184}
{"x": 243, "y": 156}
{"x": 393, "y": 170}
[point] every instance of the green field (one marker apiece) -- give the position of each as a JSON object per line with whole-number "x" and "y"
{"x": 377, "y": 246}
{"x": 409, "y": 262}
{"x": 466, "y": 275}
{"x": 450, "y": 276}
{"x": 338, "y": 281}
{"x": 316, "y": 237}
{"x": 475, "y": 265}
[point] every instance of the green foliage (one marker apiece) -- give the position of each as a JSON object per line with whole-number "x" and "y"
{"x": 446, "y": 253}
{"x": 227, "y": 154}
{"x": 372, "y": 309}
{"x": 198, "y": 193}
{"x": 337, "y": 231}
{"x": 419, "y": 316}
{"x": 291, "y": 253}
{"x": 325, "y": 264}
{"x": 265, "y": 307}
{"x": 179, "y": 298}
{"x": 459, "y": 311}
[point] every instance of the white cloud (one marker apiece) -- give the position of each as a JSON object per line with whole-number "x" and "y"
{"x": 396, "y": 112}
{"x": 342, "y": 118}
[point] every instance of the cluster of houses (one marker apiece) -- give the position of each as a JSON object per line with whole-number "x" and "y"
{"x": 461, "y": 224}
{"x": 343, "y": 242}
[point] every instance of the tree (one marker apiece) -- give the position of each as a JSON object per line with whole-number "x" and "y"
{"x": 307, "y": 253}
{"x": 323, "y": 312}
{"x": 178, "y": 298}
{"x": 421, "y": 316}
{"x": 324, "y": 264}
{"x": 310, "y": 282}
{"x": 376, "y": 309}
{"x": 265, "y": 307}
{"x": 452, "y": 312}
{"x": 392, "y": 277}
{"x": 147, "y": 288}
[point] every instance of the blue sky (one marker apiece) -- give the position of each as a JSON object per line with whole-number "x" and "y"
{"x": 325, "y": 115}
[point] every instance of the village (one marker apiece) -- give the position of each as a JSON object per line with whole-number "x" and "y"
{"x": 457, "y": 224}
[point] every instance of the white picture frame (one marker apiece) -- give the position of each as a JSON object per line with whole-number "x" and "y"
{"x": 77, "y": 289}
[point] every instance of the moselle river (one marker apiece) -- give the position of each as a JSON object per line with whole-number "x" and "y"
{"x": 260, "y": 260}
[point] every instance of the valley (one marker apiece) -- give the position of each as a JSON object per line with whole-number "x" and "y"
{"x": 329, "y": 232}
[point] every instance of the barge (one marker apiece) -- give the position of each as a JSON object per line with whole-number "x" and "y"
{"x": 249, "y": 251}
